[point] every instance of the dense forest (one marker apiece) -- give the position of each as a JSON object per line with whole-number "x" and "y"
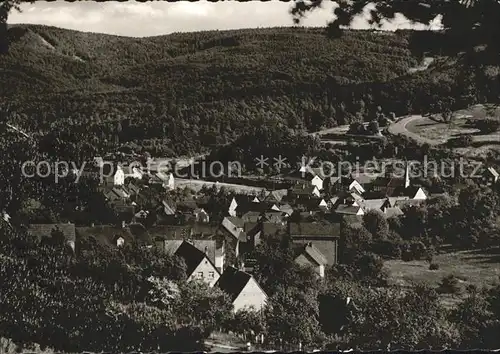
{"x": 185, "y": 93}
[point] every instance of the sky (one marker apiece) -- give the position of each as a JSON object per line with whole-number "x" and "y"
{"x": 137, "y": 19}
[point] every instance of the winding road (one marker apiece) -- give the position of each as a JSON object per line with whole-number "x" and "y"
{"x": 399, "y": 128}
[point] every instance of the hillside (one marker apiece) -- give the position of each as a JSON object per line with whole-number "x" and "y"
{"x": 186, "y": 92}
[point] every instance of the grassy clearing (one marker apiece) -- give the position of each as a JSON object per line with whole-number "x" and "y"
{"x": 441, "y": 132}
{"x": 477, "y": 267}
{"x": 438, "y": 131}
{"x": 482, "y": 111}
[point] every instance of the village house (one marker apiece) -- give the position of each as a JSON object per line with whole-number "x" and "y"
{"x": 286, "y": 209}
{"x": 310, "y": 256}
{"x": 349, "y": 209}
{"x": 166, "y": 179}
{"x": 255, "y": 232}
{"x": 303, "y": 192}
{"x": 324, "y": 236}
{"x": 373, "y": 204}
{"x": 243, "y": 289}
{"x": 489, "y": 177}
{"x": 110, "y": 236}
{"x": 200, "y": 215}
{"x": 210, "y": 247}
{"x": 119, "y": 241}
{"x": 276, "y": 196}
{"x": 240, "y": 204}
{"x": 198, "y": 265}
{"x": 47, "y": 231}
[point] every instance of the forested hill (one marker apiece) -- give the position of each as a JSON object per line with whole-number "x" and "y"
{"x": 185, "y": 92}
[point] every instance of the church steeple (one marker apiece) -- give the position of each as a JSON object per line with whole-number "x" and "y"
{"x": 407, "y": 174}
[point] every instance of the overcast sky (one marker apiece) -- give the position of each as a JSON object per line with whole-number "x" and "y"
{"x": 156, "y": 18}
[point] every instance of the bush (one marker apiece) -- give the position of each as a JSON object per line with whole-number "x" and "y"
{"x": 387, "y": 249}
{"x": 450, "y": 285}
{"x": 461, "y": 141}
{"x": 433, "y": 266}
{"x": 415, "y": 251}
{"x": 487, "y": 125}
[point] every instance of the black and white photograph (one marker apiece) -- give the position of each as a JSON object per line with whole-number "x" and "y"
{"x": 254, "y": 176}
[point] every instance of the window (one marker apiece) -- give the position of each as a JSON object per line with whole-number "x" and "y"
{"x": 211, "y": 275}
{"x": 200, "y": 275}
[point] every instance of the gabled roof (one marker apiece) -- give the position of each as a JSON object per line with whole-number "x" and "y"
{"x": 372, "y": 204}
{"x": 408, "y": 202}
{"x": 396, "y": 211}
{"x": 251, "y": 216}
{"x": 314, "y": 254}
{"x": 191, "y": 255}
{"x": 236, "y": 221}
{"x": 394, "y": 200}
{"x": 303, "y": 190}
{"x": 233, "y": 281}
{"x": 274, "y": 216}
{"x": 286, "y": 209}
{"x": 347, "y": 209}
{"x": 276, "y": 196}
{"x": 168, "y": 207}
{"x": 208, "y": 247}
{"x": 493, "y": 172}
{"x": 314, "y": 229}
{"x": 401, "y": 191}
{"x": 45, "y": 230}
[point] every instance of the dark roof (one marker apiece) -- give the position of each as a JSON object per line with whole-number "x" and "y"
{"x": 402, "y": 191}
{"x": 314, "y": 229}
{"x": 302, "y": 190}
{"x": 171, "y": 232}
{"x": 409, "y": 202}
{"x": 187, "y": 206}
{"x": 347, "y": 209}
{"x": 191, "y": 255}
{"x": 251, "y": 216}
{"x": 45, "y": 230}
{"x": 236, "y": 221}
{"x": 353, "y": 220}
{"x": 276, "y": 195}
{"x": 105, "y": 235}
{"x": 233, "y": 281}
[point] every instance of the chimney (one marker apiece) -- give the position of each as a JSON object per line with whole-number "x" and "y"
{"x": 92, "y": 225}
{"x": 123, "y": 224}
{"x": 206, "y": 250}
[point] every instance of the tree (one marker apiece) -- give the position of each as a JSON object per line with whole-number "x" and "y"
{"x": 292, "y": 315}
{"x": 394, "y": 319}
{"x": 373, "y": 127}
{"x": 376, "y": 223}
{"x": 459, "y": 18}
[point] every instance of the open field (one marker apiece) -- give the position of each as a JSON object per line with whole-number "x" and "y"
{"x": 196, "y": 185}
{"x": 425, "y": 130}
{"x": 477, "y": 267}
